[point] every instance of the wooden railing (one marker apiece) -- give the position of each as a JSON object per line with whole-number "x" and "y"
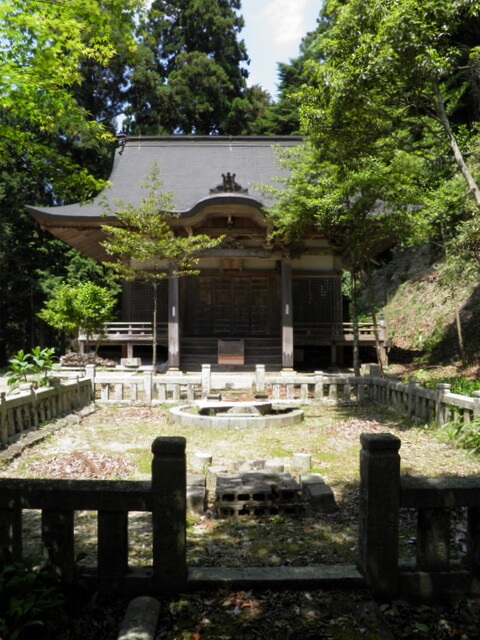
{"x": 118, "y": 332}
{"x": 341, "y": 332}
{"x": 125, "y": 333}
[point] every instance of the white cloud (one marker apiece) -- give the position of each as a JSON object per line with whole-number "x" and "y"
{"x": 286, "y": 20}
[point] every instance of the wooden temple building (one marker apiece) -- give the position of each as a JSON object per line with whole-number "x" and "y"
{"x": 253, "y": 302}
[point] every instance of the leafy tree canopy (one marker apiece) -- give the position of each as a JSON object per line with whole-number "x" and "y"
{"x": 191, "y": 76}
{"x": 399, "y": 69}
{"x": 144, "y": 246}
{"x": 85, "y": 306}
{"x": 43, "y": 45}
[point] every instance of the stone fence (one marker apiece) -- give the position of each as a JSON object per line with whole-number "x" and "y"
{"x": 408, "y": 399}
{"x": 30, "y": 408}
{"x": 164, "y": 497}
{"x": 383, "y": 493}
{"x": 128, "y": 387}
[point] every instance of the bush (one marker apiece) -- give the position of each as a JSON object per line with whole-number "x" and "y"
{"x": 32, "y": 367}
{"x": 31, "y": 601}
{"x": 463, "y": 436}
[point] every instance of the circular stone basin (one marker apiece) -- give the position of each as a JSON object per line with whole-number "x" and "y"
{"x": 235, "y": 414}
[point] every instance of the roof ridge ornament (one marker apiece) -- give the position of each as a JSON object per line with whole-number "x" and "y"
{"x": 229, "y": 185}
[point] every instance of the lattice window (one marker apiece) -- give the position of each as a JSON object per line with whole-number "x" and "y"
{"x": 141, "y": 301}
{"x": 315, "y": 300}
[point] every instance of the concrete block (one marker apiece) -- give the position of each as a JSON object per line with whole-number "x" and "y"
{"x": 196, "y": 499}
{"x": 319, "y": 496}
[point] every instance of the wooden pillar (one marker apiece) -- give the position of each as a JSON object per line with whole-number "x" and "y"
{"x": 287, "y": 315}
{"x": 173, "y": 324}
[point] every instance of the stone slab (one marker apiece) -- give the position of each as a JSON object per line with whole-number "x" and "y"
{"x": 313, "y": 576}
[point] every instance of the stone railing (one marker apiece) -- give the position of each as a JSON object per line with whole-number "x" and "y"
{"x": 383, "y": 493}
{"x": 413, "y": 401}
{"x": 29, "y": 409}
{"x": 164, "y": 497}
{"x": 129, "y": 387}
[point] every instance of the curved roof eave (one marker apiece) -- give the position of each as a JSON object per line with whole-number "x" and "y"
{"x": 81, "y": 213}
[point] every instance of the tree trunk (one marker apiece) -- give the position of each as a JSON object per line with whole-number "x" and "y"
{"x": 458, "y": 324}
{"x": 154, "y": 328}
{"x": 457, "y": 154}
{"x": 458, "y": 321}
{"x": 356, "y": 347}
{"x": 373, "y": 313}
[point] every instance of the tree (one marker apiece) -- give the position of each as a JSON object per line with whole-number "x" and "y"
{"x": 84, "y": 307}
{"x": 143, "y": 245}
{"x": 410, "y": 69}
{"x": 360, "y": 203}
{"x": 385, "y": 106}
{"x": 57, "y": 60}
{"x": 43, "y": 46}
{"x": 192, "y": 73}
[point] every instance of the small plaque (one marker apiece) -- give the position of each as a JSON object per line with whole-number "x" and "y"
{"x": 231, "y": 352}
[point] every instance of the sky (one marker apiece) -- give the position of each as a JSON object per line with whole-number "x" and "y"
{"x": 272, "y": 33}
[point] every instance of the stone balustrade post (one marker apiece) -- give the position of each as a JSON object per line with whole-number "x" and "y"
{"x": 169, "y": 515}
{"x": 260, "y": 378}
{"x": 476, "y": 405}
{"x": 206, "y": 380}
{"x": 318, "y": 393}
{"x": 440, "y": 406}
{"x": 379, "y": 511}
{"x": 90, "y": 370}
{"x": 3, "y": 418}
{"x": 413, "y": 385}
{"x": 148, "y": 385}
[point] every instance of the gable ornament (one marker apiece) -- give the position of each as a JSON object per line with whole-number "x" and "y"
{"x": 228, "y": 185}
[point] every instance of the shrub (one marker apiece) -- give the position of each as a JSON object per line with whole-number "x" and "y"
{"x": 32, "y": 367}
{"x": 31, "y": 600}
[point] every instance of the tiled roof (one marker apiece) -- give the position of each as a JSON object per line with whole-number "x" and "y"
{"x": 189, "y": 167}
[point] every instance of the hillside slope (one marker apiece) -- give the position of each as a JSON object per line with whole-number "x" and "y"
{"x": 420, "y": 314}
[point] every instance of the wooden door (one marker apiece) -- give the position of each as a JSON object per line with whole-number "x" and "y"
{"x": 231, "y": 305}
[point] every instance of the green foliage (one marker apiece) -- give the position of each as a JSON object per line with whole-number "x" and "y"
{"x": 401, "y": 72}
{"x": 32, "y": 367}
{"x": 42, "y": 48}
{"x": 31, "y": 600}
{"x": 463, "y": 436}
{"x": 143, "y": 245}
{"x": 462, "y": 386}
{"x": 86, "y": 306}
{"x": 191, "y": 73}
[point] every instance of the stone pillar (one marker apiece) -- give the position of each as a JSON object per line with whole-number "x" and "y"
{"x": 287, "y": 315}
{"x": 379, "y": 511}
{"x": 3, "y": 418}
{"x": 206, "y": 380}
{"x": 260, "y": 378}
{"x": 441, "y": 408}
{"x": 90, "y": 374}
{"x": 148, "y": 385}
{"x": 476, "y": 405}
{"x": 173, "y": 323}
{"x": 169, "y": 515}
